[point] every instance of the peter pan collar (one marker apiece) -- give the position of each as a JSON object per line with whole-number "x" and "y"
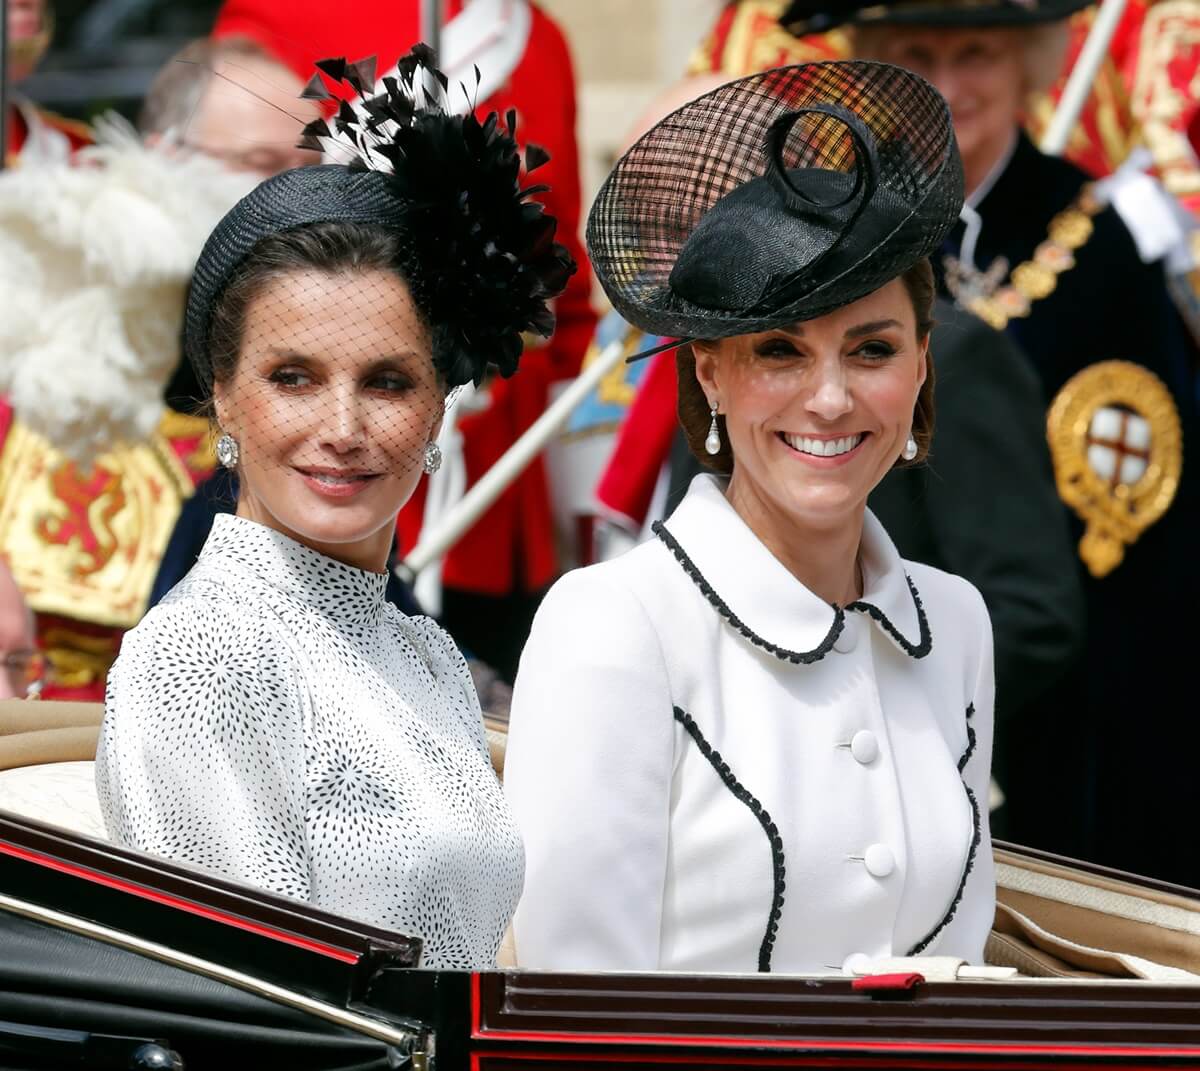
{"x": 768, "y": 606}
{"x": 262, "y": 554}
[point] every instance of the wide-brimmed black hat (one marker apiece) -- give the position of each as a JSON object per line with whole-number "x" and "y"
{"x": 803, "y": 17}
{"x": 775, "y": 199}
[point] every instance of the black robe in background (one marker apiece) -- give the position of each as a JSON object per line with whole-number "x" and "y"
{"x": 1108, "y": 770}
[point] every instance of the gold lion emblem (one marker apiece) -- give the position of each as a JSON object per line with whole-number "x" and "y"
{"x": 1118, "y": 453}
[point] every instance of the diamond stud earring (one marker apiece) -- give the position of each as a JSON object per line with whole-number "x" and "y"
{"x": 227, "y": 451}
{"x": 433, "y": 457}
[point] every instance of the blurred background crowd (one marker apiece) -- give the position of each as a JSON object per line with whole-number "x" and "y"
{"x": 107, "y": 478}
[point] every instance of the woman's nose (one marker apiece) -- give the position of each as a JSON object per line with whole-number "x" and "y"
{"x": 343, "y": 426}
{"x": 946, "y": 80}
{"x": 830, "y": 397}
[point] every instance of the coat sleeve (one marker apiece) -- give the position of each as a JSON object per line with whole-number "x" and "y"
{"x": 201, "y": 755}
{"x": 588, "y": 775}
{"x": 994, "y": 512}
{"x": 971, "y": 923}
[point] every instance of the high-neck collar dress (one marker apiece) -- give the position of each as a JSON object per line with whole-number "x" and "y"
{"x": 276, "y": 721}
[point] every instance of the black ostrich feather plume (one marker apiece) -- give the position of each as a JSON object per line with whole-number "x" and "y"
{"x": 487, "y": 248}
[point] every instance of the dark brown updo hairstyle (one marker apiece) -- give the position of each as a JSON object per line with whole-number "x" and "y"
{"x": 695, "y": 415}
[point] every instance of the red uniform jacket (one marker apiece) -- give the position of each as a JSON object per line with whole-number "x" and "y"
{"x": 512, "y": 546}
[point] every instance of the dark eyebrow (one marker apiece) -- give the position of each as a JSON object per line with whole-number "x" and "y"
{"x": 380, "y": 364}
{"x": 870, "y": 328}
{"x": 392, "y": 362}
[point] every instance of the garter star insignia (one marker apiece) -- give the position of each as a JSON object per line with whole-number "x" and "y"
{"x": 1117, "y": 445}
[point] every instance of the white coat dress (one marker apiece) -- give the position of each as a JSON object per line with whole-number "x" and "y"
{"x": 714, "y": 770}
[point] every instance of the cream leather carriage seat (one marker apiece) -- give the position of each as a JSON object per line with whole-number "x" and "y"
{"x": 47, "y": 770}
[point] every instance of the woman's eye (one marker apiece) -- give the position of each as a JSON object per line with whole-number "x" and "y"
{"x": 875, "y": 350}
{"x": 776, "y": 347}
{"x": 390, "y": 382}
{"x": 290, "y": 377}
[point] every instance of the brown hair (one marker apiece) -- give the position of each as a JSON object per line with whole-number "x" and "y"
{"x": 695, "y": 417}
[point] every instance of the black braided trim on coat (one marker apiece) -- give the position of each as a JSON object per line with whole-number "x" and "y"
{"x": 977, "y": 836}
{"x": 764, "y": 820}
{"x": 925, "y": 645}
{"x": 920, "y": 650}
{"x": 971, "y": 741}
{"x": 799, "y": 657}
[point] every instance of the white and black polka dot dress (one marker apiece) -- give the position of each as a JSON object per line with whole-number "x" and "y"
{"x": 276, "y": 721}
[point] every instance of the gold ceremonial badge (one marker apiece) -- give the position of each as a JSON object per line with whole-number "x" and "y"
{"x": 1118, "y": 452}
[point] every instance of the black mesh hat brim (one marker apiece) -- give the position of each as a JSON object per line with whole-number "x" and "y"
{"x": 811, "y": 16}
{"x": 324, "y": 193}
{"x": 852, "y": 118}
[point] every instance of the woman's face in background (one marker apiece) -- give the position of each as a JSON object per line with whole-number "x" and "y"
{"x": 980, "y": 72}
{"x": 332, "y": 401}
{"x": 818, "y": 412}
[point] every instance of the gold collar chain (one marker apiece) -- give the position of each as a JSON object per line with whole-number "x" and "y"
{"x": 995, "y": 301}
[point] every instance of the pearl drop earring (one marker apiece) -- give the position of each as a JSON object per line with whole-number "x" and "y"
{"x": 712, "y": 444}
{"x": 910, "y": 449}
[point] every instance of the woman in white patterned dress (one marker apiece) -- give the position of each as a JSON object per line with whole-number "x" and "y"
{"x": 275, "y": 719}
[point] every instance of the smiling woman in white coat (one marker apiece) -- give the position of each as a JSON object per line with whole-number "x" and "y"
{"x": 760, "y": 741}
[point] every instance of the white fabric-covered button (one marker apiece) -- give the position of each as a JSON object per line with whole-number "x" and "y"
{"x": 864, "y": 746}
{"x": 848, "y": 638}
{"x": 856, "y": 963}
{"x": 879, "y": 860}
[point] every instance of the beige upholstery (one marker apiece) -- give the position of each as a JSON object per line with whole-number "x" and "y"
{"x": 497, "y": 738}
{"x": 60, "y": 794}
{"x": 1056, "y": 921}
{"x": 32, "y": 733}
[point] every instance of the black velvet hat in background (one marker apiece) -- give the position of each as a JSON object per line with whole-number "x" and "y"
{"x": 775, "y": 199}
{"x": 803, "y": 17}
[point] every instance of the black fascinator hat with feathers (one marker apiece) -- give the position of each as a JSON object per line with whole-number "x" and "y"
{"x": 451, "y": 183}
{"x": 775, "y": 199}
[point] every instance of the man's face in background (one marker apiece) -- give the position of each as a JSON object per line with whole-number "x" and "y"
{"x": 250, "y": 116}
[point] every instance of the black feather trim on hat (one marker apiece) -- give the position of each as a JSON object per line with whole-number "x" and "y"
{"x": 487, "y": 248}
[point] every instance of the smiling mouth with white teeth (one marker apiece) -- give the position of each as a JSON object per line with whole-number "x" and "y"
{"x": 802, "y": 444}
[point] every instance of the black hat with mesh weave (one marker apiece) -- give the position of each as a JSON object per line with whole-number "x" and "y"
{"x": 775, "y": 199}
